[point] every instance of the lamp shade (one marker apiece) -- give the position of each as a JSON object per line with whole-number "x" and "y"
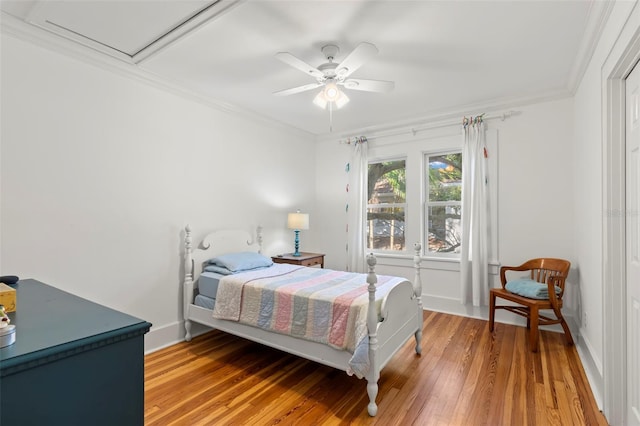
{"x": 298, "y": 220}
{"x": 331, "y": 94}
{"x": 341, "y": 99}
{"x": 320, "y": 100}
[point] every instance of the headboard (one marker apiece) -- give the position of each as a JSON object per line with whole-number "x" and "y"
{"x": 213, "y": 244}
{"x": 216, "y": 243}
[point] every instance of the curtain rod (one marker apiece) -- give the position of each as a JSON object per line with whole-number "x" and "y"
{"x": 435, "y": 125}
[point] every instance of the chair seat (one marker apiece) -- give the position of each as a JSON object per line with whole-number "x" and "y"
{"x": 540, "y": 303}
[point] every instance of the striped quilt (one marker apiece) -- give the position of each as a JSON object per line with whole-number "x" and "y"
{"x": 320, "y": 305}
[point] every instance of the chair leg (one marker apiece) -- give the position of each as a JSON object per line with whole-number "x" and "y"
{"x": 565, "y": 327}
{"x": 533, "y": 331}
{"x": 567, "y": 332}
{"x": 492, "y": 310}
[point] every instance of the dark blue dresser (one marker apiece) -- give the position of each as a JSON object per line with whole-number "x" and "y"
{"x": 74, "y": 362}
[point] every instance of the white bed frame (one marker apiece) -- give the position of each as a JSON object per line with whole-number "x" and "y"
{"x": 401, "y": 311}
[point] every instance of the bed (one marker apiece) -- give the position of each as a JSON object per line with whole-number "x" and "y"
{"x": 389, "y": 319}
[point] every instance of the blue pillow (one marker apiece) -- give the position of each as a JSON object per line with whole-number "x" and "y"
{"x": 530, "y": 288}
{"x": 218, "y": 269}
{"x": 242, "y": 261}
{"x": 224, "y": 271}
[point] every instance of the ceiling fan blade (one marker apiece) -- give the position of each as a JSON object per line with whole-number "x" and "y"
{"x": 356, "y": 58}
{"x": 369, "y": 85}
{"x": 289, "y": 59}
{"x": 297, "y": 89}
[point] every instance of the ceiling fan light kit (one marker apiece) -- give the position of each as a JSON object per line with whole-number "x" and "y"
{"x": 330, "y": 75}
{"x": 331, "y": 94}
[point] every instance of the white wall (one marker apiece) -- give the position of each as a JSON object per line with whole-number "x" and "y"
{"x": 535, "y": 212}
{"x": 100, "y": 173}
{"x": 589, "y": 148}
{"x": 587, "y": 154}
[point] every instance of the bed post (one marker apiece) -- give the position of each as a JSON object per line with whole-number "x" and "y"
{"x": 188, "y": 282}
{"x": 372, "y": 324}
{"x": 417, "y": 292}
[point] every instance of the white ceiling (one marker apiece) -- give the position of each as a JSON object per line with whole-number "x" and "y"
{"x": 444, "y": 56}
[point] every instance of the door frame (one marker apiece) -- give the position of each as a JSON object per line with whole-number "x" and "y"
{"x": 621, "y": 60}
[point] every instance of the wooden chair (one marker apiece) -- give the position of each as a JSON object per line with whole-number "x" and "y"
{"x": 552, "y": 272}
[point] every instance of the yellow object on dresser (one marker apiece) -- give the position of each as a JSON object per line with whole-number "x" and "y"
{"x": 8, "y": 297}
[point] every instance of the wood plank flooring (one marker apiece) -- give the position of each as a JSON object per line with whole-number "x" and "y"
{"x": 465, "y": 376}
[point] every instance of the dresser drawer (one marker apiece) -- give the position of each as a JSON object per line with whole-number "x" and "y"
{"x": 312, "y": 262}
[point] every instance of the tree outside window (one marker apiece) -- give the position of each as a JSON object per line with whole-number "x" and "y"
{"x": 443, "y": 202}
{"x": 386, "y": 205}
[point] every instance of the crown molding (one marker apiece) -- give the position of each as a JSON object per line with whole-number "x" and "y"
{"x": 596, "y": 20}
{"x": 19, "y": 29}
{"x": 452, "y": 116}
{"x": 599, "y": 12}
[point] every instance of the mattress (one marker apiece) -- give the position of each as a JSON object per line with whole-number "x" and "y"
{"x": 208, "y": 284}
{"x": 204, "y": 301}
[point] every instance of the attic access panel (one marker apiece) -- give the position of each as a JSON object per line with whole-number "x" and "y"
{"x": 127, "y": 30}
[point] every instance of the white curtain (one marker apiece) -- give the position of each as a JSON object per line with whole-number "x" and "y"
{"x": 475, "y": 234}
{"x": 357, "y": 207}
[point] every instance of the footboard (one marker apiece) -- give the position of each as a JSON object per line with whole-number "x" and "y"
{"x": 401, "y": 321}
{"x": 401, "y": 313}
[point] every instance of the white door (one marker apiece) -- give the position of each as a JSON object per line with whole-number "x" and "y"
{"x": 632, "y": 218}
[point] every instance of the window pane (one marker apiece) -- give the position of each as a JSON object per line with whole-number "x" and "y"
{"x": 387, "y": 202}
{"x": 445, "y": 177}
{"x": 445, "y": 228}
{"x": 387, "y": 182}
{"x": 385, "y": 228}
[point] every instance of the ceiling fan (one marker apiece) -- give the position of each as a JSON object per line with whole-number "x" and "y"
{"x": 330, "y": 75}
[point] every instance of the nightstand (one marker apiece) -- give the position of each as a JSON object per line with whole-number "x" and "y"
{"x": 305, "y": 259}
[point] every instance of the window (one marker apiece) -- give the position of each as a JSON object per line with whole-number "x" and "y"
{"x": 442, "y": 202}
{"x": 386, "y": 205}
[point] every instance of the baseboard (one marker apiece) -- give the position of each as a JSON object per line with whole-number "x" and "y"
{"x": 592, "y": 368}
{"x": 454, "y": 307}
{"x": 161, "y": 337}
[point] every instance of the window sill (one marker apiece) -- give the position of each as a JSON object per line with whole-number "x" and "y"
{"x": 408, "y": 255}
{"x": 427, "y": 262}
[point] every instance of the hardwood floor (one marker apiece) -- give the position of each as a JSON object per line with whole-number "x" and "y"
{"x": 465, "y": 376}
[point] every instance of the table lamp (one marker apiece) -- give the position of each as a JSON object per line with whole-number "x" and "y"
{"x": 297, "y": 221}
